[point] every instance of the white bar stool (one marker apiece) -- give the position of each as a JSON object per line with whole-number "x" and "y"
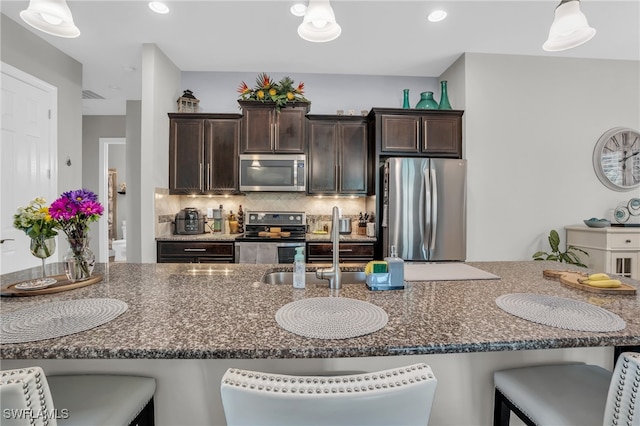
{"x": 570, "y": 394}
{"x": 400, "y": 396}
{"x": 31, "y": 398}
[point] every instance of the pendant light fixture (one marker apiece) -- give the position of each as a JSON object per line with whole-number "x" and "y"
{"x": 569, "y": 29}
{"x": 52, "y": 17}
{"x": 319, "y": 23}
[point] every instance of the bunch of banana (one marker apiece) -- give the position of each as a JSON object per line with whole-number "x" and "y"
{"x": 601, "y": 280}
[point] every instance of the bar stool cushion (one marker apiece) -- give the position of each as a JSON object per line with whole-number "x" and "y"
{"x": 100, "y": 399}
{"x": 571, "y": 394}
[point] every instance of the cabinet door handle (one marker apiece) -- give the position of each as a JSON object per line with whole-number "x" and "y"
{"x": 418, "y": 135}
{"x": 628, "y": 241}
{"x": 208, "y": 183}
{"x": 194, "y": 249}
{"x": 201, "y": 177}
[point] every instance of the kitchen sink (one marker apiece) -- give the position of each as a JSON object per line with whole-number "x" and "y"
{"x": 349, "y": 277}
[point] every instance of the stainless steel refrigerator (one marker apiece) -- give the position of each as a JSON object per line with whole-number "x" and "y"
{"x": 424, "y": 208}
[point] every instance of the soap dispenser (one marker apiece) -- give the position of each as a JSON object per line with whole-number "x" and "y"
{"x": 396, "y": 268}
{"x": 299, "y": 269}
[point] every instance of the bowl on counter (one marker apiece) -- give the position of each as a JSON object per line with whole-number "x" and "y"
{"x": 597, "y": 223}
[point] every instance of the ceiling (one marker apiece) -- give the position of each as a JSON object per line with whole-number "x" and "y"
{"x": 378, "y": 38}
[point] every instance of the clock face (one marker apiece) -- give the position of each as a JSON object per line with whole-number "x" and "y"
{"x": 616, "y": 159}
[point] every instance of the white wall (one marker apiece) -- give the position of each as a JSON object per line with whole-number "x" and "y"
{"x": 531, "y": 124}
{"x": 160, "y": 90}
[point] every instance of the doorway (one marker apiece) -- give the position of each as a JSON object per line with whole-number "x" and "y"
{"x": 107, "y": 155}
{"x": 28, "y": 159}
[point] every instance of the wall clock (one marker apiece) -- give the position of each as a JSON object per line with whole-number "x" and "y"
{"x": 616, "y": 159}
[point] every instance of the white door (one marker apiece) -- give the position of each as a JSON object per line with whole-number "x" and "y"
{"x": 27, "y": 159}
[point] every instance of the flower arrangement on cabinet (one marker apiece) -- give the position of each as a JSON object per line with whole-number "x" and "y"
{"x": 266, "y": 90}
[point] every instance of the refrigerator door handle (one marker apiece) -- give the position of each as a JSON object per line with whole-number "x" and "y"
{"x": 434, "y": 202}
{"x": 426, "y": 225}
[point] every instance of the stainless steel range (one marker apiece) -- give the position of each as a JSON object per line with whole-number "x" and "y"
{"x": 271, "y": 236}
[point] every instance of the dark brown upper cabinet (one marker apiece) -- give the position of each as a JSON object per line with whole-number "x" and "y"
{"x": 266, "y": 130}
{"x": 203, "y": 153}
{"x": 339, "y": 161}
{"x": 434, "y": 133}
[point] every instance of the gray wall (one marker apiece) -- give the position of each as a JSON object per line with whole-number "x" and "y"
{"x": 118, "y": 161}
{"x": 95, "y": 127}
{"x": 24, "y": 50}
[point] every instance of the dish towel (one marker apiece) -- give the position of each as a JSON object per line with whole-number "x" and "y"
{"x": 444, "y": 272}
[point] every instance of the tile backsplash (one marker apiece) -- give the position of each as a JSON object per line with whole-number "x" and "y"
{"x": 167, "y": 206}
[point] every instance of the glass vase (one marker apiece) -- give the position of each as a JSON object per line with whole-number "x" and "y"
{"x": 42, "y": 248}
{"x": 405, "y": 99}
{"x": 444, "y": 96}
{"x": 427, "y": 101}
{"x": 79, "y": 260}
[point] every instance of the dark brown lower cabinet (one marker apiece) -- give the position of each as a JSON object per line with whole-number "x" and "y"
{"x": 195, "y": 252}
{"x": 349, "y": 252}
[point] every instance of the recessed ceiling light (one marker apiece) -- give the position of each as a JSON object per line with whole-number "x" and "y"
{"x": 158, "y": 7}
{"x": 298, "y": 9}
{"x": 437, "y": 16}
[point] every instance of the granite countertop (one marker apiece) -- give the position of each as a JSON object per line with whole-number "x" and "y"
{"x": 209, "y": 236}
{"x": 224, "y": 311}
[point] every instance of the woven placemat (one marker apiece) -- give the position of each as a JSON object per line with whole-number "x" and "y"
{"x": 58, "y": 319}
{"x": 331, "y": 317}
{"x": 560, "y": 312}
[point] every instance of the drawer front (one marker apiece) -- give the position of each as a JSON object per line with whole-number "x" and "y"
{"x": 195, "y": 249}
{"x": 346, "y": 249}
{"x": 625, "y": 241}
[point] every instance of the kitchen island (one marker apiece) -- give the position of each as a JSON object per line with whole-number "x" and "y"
{"x": 189, "y": 323}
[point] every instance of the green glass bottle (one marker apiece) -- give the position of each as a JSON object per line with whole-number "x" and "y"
{"x": 405, "y": 102}
{"x": 427, "y": 101}
{"x": 444, "y": 97}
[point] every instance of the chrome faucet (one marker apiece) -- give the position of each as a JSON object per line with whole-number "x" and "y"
{"x": 333, "y": 274}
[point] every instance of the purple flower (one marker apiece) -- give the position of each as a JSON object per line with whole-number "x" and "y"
{"x": 80, "y": 196}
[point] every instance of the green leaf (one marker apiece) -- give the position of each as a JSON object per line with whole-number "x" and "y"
{"x": 554, "y": 241}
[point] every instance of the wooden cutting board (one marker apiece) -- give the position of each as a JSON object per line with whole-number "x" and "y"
{"x": 571, "y": 279}
{"x": 63, "y": 284}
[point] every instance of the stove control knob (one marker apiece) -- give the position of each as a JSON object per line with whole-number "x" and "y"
{"x": 298, "y": 218}
{"x": 252, "y": 217}
{"x": 290, "y": 217}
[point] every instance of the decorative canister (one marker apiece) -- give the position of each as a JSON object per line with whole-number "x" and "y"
{"x": 444, "y": 97}
{"x": 427, "y": 101}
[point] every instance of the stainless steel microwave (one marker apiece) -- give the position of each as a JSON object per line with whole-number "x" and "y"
{"x": 278, "y": 173}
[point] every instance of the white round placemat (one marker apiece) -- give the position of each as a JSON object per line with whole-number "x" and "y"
{"x": 560, "y": 312}
{"x": 331, "y": 317}
{"x": 58, "y": 319}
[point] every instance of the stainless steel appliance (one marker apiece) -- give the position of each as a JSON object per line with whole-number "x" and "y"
{"x": 424, "y": 208}
{"x": 273, "y": 173}
{"x": 189, "y": 221}
{"x": 270, "y": 237}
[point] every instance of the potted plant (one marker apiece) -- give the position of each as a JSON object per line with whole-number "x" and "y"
{"x": 267, "y": 90}
{"x": 568, "y": 256}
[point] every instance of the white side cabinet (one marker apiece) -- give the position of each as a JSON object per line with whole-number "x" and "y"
{"x": 614, "y": 250}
